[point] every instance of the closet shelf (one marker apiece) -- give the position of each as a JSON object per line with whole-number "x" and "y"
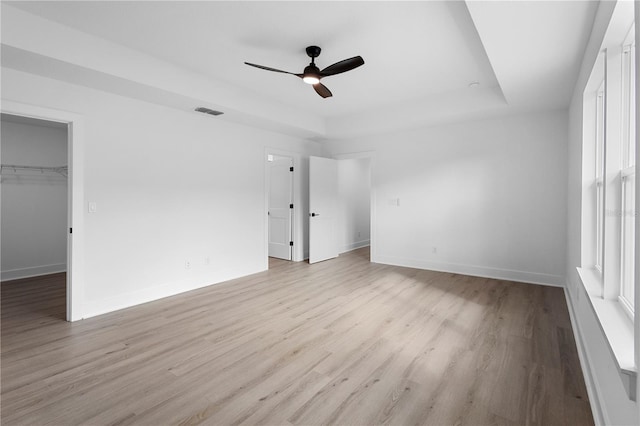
{"x": 63, "y": 170}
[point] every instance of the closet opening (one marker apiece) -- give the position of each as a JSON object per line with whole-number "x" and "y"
{"x": 355, "y": 207}
{"x": 35, "y": 216}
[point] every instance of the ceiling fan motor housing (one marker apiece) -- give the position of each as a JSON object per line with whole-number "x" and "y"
{"x": 313, "y": 51}
{"x": 311, "y": 69}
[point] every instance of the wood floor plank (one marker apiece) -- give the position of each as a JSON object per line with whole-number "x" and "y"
{"x": 344, "y": 341}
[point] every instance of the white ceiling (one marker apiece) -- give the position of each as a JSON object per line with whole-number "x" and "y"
{"x": 415, "y": 53}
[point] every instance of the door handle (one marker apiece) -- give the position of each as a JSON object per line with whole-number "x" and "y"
{"x": 314, "y": 214}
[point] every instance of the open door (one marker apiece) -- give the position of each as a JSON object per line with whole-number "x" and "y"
{"x": 323, "y": 201}
{"x": 280, "y": 206}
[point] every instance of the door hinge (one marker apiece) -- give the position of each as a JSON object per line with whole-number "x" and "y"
{"x": 290, "y": 206}
{"x": 291, "y": 243}
{"x": 71, "y": 230}
{"x": 291, "y": 168}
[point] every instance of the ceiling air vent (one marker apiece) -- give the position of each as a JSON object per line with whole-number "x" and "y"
{"x": 209, "y": 111}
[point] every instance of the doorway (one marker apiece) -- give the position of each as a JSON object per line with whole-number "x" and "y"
{"x": 34, "y": 213}
{"x": 74, "y": 124}
{"x": 280, "y": 206}
{"x": 354, "y": 201}
{"x": 342, "y": 201}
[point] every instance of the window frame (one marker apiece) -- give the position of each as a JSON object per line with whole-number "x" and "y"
{"x": 603, "y": 285}
{"x": 626, "y": 294}
{"x": 599, "y": 182}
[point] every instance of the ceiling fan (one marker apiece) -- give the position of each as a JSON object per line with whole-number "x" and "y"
{"x": 312, "y": 74}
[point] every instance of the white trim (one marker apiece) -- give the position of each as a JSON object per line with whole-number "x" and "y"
{"x": 617, "y": 328}
{"x": 354, "y": 246}
{"x": 590, "y": 380}
{"x": 626, "y": 306}
{"x": 627, "y": 177}
{"x": 599, "y": 224}
{"x": 33, "y": 271}
{"x": 626, "y": 172}
{"x": 75, "y": 211}
{"x": 475, "y": 270}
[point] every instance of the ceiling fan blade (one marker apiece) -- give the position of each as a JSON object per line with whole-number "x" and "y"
{"x": 272, "y": 69}
{"x": 342, "y": 66}
{"x": 322, "y": 90}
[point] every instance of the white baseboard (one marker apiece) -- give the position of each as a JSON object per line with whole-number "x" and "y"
{"x": 34, "y": 271}
{"x": 99, "y": 307}
{"x": 344, "y": 249}
{"x": 478, "y": 271}
{"x": 585, "y": 365}
{"x": 355, "y": 245}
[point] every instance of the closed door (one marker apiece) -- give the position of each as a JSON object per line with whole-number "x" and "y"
{"x": 280, "y": 206}
{"x": 323, "y": 200}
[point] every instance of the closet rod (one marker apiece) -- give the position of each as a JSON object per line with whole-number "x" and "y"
{"x": 63, "y": 170}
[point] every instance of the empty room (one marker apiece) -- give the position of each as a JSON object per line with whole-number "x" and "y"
{"x": 319, "y": 212}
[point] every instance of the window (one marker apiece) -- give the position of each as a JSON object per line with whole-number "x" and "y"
{"x": 608, "y": 230}
{"x": 599, "y": 176}
{"x": 628, "y": 175}
{"x": 609, "y": 143}
{"x": 628, "y": 231}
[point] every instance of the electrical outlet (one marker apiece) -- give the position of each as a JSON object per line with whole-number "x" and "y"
{"x": 359, "y": 234}
{"x": 207, "y": 260}
{"x": 187, "y": 264}
{"x": 434, "y": 250}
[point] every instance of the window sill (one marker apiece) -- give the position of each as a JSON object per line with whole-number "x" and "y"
{"x": 617, "y": 328}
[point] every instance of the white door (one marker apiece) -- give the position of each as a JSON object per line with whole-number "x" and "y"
{"x": 280, "y": 202}
{"x": 323, "y": 201}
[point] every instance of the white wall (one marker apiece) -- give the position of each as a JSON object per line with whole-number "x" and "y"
{"x": 169, "y": 185}
{"x": 354, "y": 204}
{"x": 484, "y": 198}
{"x": 607, "y": 395}
{"x": 34, "y": 204}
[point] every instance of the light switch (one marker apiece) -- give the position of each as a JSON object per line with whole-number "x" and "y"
{"x": 93, "y": 207}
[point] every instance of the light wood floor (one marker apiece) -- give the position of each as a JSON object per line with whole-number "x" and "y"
{"x": 340, "y": 342}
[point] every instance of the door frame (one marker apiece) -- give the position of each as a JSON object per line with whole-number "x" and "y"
{"x": 371, "y": 155}
{"x": 290, "y": 211}
{"x": 75, "y": 195}
{"x": 298, "y": 209}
